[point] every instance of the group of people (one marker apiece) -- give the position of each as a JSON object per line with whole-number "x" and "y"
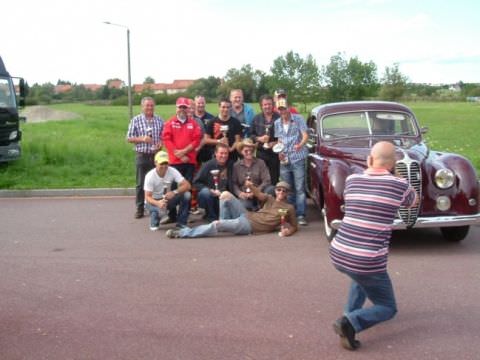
{"x": 235, "y": 187}
{"x": 197, "y": 160}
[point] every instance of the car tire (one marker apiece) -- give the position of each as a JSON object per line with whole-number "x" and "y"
{"x": 455, "y": 233}
{"x": 327, "y": 229}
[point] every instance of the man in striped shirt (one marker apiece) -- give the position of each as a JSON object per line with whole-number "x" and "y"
{"x": 360, "y": 248}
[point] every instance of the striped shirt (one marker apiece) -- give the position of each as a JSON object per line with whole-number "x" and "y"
{"x": 292, "y": 136}
{"x": 371, "y": 203}
{"x": 141, "y": 126}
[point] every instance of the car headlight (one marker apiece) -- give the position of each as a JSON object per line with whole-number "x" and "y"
{"x": 13, "y": 135}
{"x": 444, "y": 178}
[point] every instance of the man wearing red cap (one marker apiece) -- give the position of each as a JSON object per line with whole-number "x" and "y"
{"x": 181, "y": 137}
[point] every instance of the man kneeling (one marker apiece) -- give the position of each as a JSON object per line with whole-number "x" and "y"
{"x": 275, "y": 214}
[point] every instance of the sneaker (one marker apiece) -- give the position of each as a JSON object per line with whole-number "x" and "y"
{"x": 139, "y": 213}
{"x": 302, "y": 221}
{"x": 195, "y": 211}
{"x": 154, "y": 228}
{"x": 345, "y": 330}
{"x": 165, "y": 220}
{"x": 172, "y": 233}
{"x": 180, "y": 226}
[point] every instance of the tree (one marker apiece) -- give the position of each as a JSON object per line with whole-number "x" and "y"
{"x": 394, "y": 83}
{"x": 63, "y": 82}
{"x": 208, "y": 87}
{"x": 244, "y": 78}
{"x": 299, "y": 77}
{"x": 149, "y": 80}
{"x": 349, "y": 80}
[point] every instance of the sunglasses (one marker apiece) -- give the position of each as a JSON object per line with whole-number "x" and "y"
{"x": 281, "y": 190}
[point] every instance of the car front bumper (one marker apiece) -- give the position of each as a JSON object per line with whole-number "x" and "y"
{"x": 426, "y": 222}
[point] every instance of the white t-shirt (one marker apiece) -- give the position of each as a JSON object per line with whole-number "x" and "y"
{"x": 156, "y": 184}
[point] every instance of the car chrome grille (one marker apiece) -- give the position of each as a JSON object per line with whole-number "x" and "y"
{"x": 410, "y": 170}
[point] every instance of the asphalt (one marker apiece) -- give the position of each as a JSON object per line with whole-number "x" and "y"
{"x": 82, "y": 279}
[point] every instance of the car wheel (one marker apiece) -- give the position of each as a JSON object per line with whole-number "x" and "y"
{"x": 328, "y": 230}
{"x": 455, "y": 233}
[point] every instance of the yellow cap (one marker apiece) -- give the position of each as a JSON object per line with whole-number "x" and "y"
{"x": 161, "y": 157}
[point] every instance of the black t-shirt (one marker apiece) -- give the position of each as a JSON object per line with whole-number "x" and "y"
{"x": 234, "y": 128}
{"x": 215, "y": 131}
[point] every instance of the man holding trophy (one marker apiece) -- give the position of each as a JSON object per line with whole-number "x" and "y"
{"x": 276, "y": 214}
{"x": 211, "y": 180}
{"x": 159, "y": 195}
{"x": 262, "y": 132}
{"x": 224, "y": 129}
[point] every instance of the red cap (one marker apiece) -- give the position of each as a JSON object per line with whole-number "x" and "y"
{"x": 183, "y": 101}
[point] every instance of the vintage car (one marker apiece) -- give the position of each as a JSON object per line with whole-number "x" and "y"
{"x": 340, "y": 138}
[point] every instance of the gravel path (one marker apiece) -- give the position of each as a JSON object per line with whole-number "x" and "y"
{"x": 39, "y": 113}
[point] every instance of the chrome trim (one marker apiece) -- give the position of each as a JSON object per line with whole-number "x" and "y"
{"x": 425, "y": 222}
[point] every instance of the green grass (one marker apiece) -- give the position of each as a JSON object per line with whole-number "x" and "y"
{"x": 91, "y": 151}
{"x": 453, "y": 127}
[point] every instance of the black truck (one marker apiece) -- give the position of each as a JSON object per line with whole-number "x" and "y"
{"x": 10, "y": 133}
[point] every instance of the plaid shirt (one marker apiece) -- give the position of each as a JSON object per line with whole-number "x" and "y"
{"x": 293, "y": 136}
{"x": 141, "y": 126}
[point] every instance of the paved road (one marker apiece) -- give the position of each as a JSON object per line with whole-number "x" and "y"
{"x": 81, "y": 279}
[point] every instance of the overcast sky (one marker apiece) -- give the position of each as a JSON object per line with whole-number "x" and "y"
{"x": 45, "y": 40}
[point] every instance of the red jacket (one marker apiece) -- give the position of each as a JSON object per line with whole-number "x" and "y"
{"x": 177, "y": 136}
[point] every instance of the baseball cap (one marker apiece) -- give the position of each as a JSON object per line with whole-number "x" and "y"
{"x": 281, "y": 103}
{"x": 280, "y": 93}
{"x": 183, "y": 101}
{"x": 283, "y": 184}
{"x": 161, "y": 157}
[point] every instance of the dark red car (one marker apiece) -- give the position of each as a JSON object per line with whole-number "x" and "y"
{"x": 341, "y": 135}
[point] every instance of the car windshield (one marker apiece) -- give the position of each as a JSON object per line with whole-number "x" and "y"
{"x": 7, "y": 96}
{"x": 368, "y": 123}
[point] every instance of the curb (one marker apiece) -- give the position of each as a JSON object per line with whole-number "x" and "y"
{"x": 67, "y": 192}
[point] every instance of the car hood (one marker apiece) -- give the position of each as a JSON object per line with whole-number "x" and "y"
{"x": 357, "y": 150}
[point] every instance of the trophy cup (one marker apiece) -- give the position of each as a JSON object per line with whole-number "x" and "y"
{"x": 215, "y": 174}
{"x": 282, "y": 213}
{"x": 248, "y": 177}
{"x": 150, "y": 134}
{"x": 224, "y": 130}
{"x": 278, "y": 149}
{"x": 267, "y": 132}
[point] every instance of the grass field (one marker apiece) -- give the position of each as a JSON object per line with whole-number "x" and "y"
{"x": 92, "y": 152}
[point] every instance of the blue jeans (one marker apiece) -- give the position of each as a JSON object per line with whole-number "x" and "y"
{"x": 294, "y": 174}
{"x": 180, "y": 200}
{"x": 232, "y": 220}
{"x": 209, "y": 202}
{"x": 379, "y": 290}
{"x": 155, "y": 214}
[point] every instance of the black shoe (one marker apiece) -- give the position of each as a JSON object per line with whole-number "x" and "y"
{"x": 345, "y": 330}
{"x": 139, "y": 213}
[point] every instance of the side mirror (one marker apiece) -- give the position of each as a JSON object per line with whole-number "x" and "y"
{"x": 21, "y": 90}
{"x": 312, "y": 139}
{"x": 424, "y": 130}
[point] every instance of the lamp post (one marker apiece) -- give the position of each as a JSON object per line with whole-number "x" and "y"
{"x": 130, "y": 109}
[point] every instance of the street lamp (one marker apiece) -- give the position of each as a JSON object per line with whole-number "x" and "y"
{"x": 129, "y": 71}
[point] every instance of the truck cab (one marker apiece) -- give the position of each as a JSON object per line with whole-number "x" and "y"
{"x": 10, "y": 134}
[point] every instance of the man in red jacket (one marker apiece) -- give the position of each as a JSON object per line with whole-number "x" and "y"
{"x": 181, "y": 137}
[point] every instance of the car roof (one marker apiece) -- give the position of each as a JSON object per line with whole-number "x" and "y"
{"x": 348, "y": 106}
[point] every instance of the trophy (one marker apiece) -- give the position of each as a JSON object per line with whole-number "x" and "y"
{"x": 267, "y": 132}
{"x": 278, "y": 149}
{"x": 161, "y": 195}
{"x": 224, "y": 130}
{"x": 248, "y": 177}
{"x": 150, "y": 135}
{"x": 215, "y": 174}
{"x": 282, "y": 213}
